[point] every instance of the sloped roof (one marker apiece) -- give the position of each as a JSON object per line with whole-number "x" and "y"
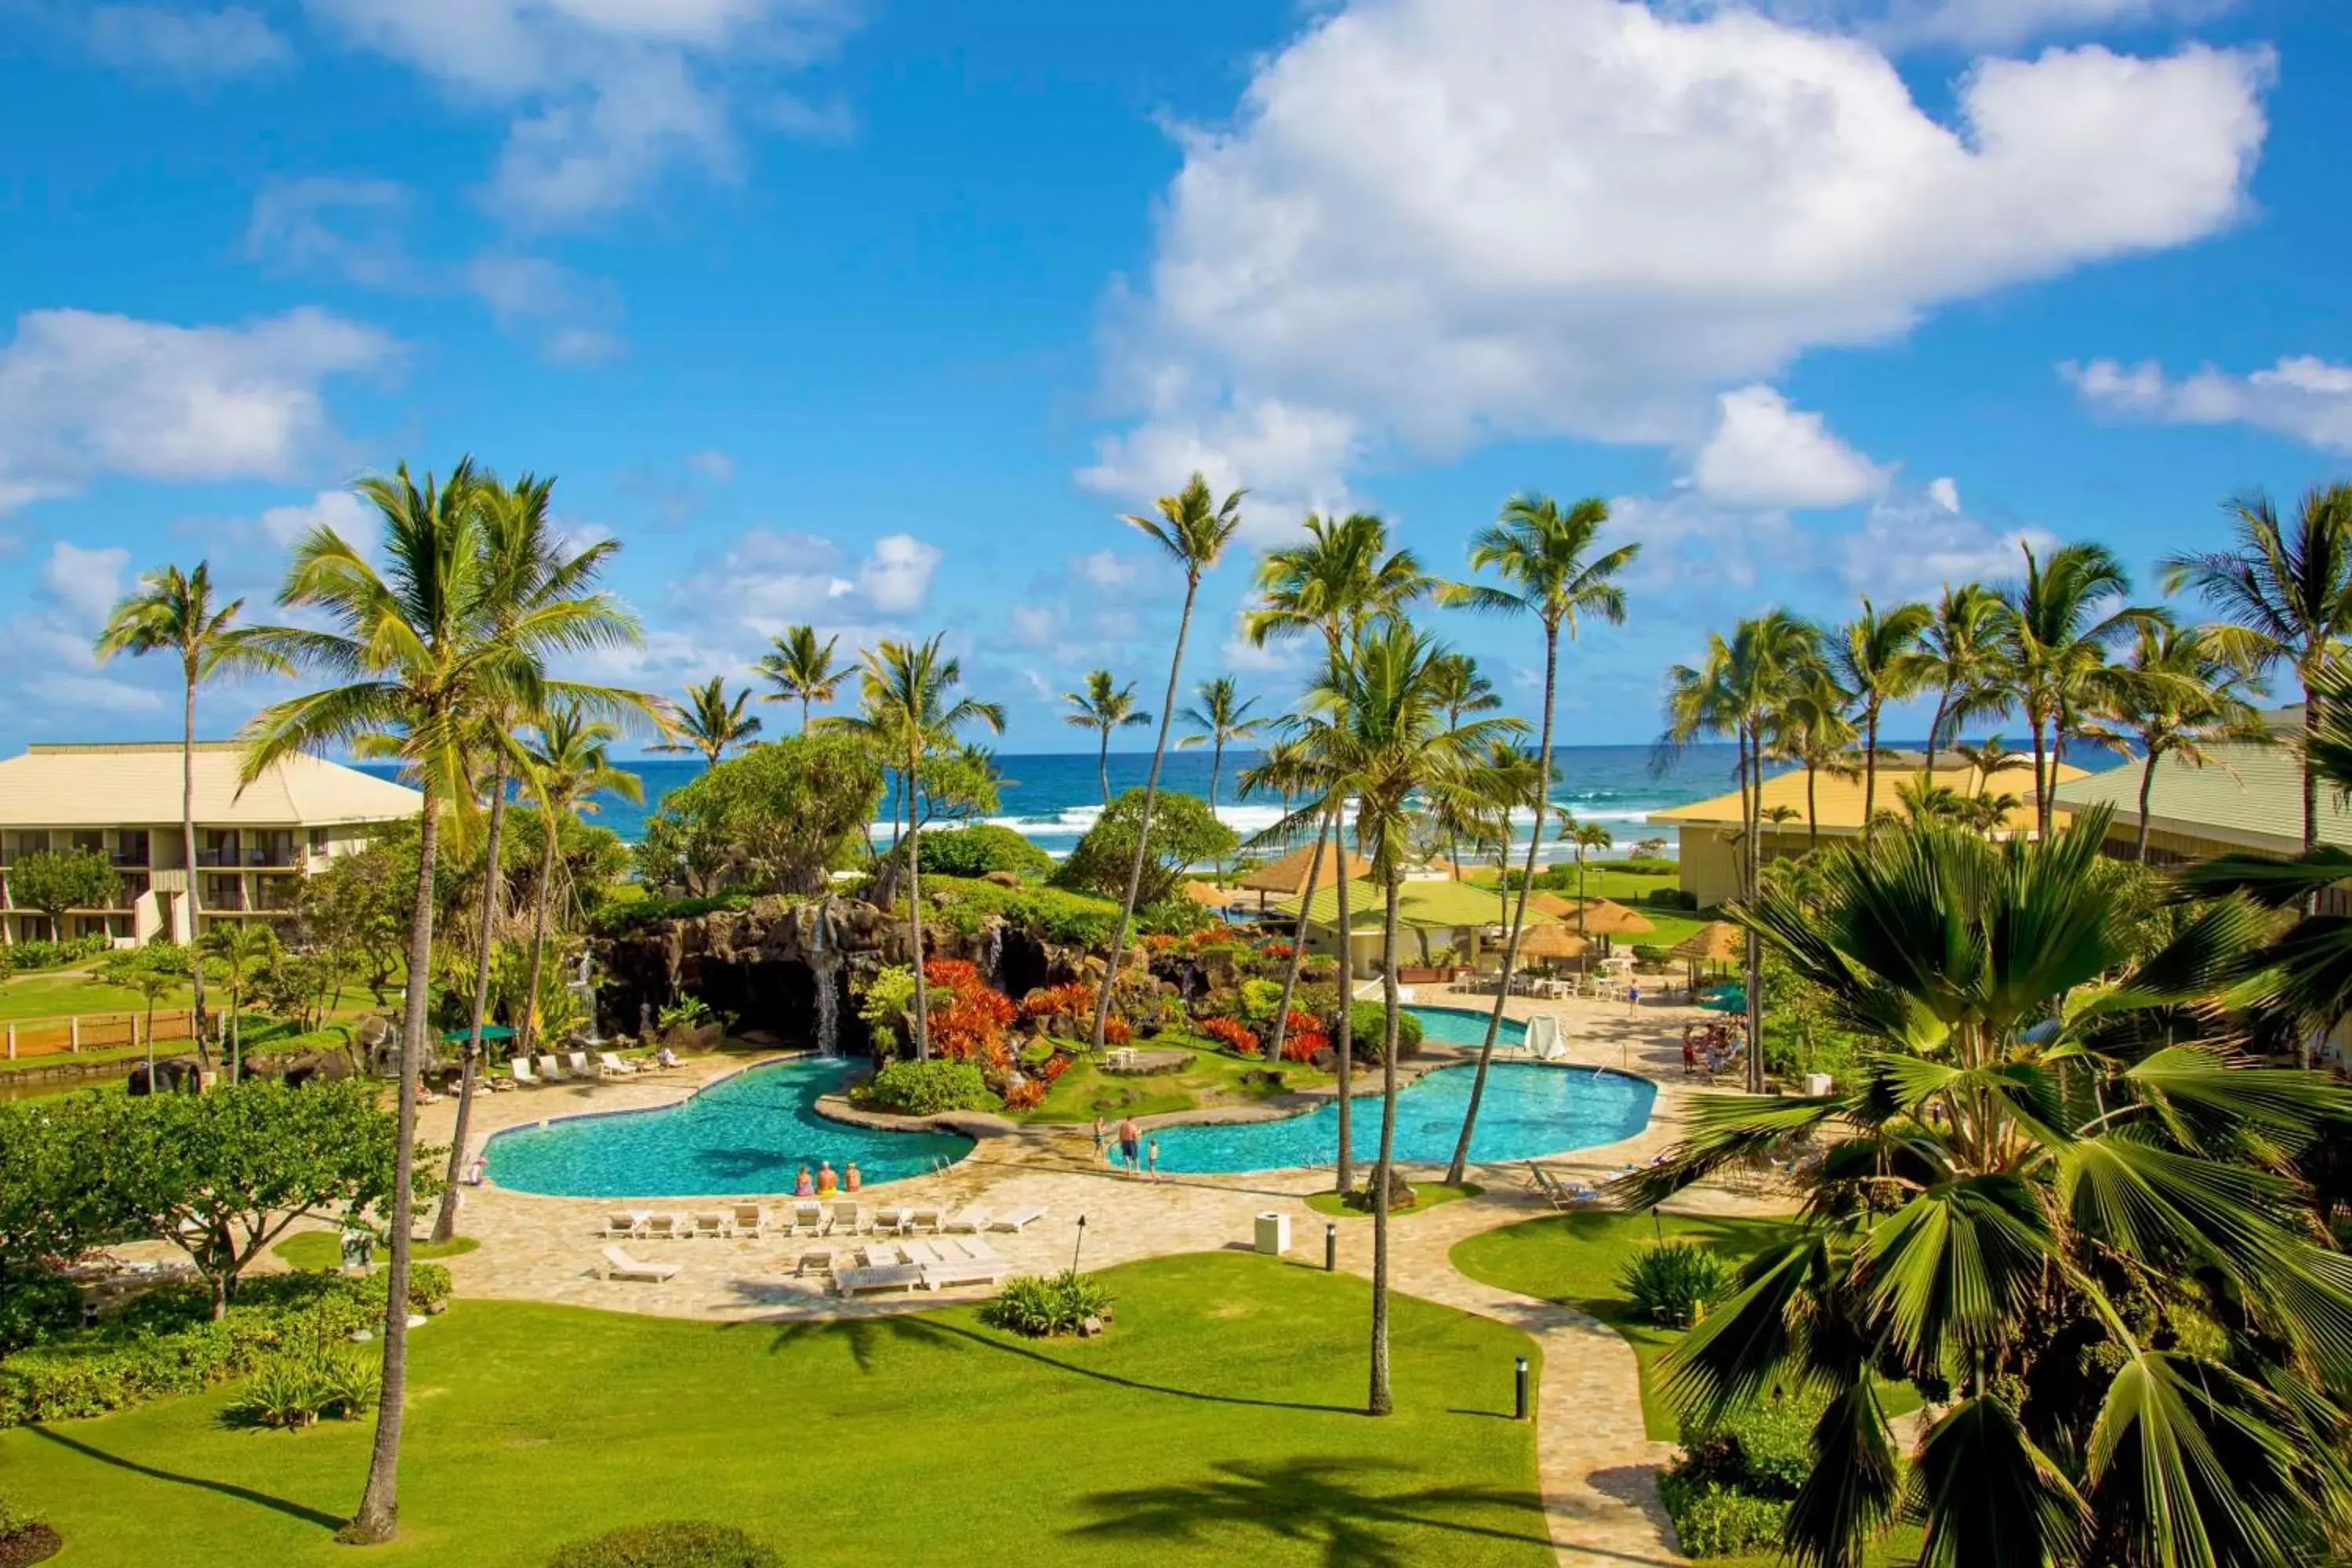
{"x": 1287, "y": 875}
{"x": 1837, "y": 801}
{"x": 1420, "y": 902}
{"x": 138, "y": 783}
{"x": 2247, "y": 794}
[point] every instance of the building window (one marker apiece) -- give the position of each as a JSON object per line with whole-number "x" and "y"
{"x": 89, "y": 839}
{"x": 131, "y": 847}
{"x": 317, "y": 841}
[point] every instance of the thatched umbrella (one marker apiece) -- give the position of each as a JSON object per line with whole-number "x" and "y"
{"x": 1605, "y": 917}
{"x": 1549, "y": 939}
{"x": 1718, "y": 942}
{"x": 1286, "y": 877}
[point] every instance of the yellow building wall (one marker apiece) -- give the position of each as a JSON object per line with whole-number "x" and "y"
{"x": 1710, "y": 865}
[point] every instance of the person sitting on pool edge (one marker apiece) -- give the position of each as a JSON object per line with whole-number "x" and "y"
{"x": 827, "y": 1184}
{"x": 805, "y": 1186}
{"x": 851, "y": 1181}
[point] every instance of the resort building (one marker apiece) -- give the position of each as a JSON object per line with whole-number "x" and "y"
{"x": 2247, "y": 796}
{"x": 1709, "y": 830}
{"x": 254, "y": 843}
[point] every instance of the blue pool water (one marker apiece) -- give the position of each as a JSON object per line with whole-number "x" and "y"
{"x": 750, "y": 1133}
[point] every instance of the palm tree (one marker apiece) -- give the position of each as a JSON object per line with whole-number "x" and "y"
{"x": 2286, "y": 595}
{"x": 1543, "y": 553}
{"x": 1219, "y": 718}
{"x": 2042, "y": 1182}
{"x": 801, "y": 670}
{"x": 422, "y": 655}
{"x": 1344, "y": 577}
{"x": 1193, "y": 528}
{"x": 1103, "y": 707}
{"x": 1590, "y": 838}
{"x": 1879, "y": 659}
{"x": 1963, "y": 642}
{"x": 570, "y": 765}
{"x": 908, "y": 691}
{"x": 2058, "y": 642}
{"x": 1813, "y": 731}
{"x": 241, "y": 948}
{"x": 1462, "y": 688}
{"x": 1736, "y": 690}
{"x": 709, "y": 722}
{"x": 171, "y": 611}
{"x": 1389, "y": 750}
{"x": 2172, "y": 695}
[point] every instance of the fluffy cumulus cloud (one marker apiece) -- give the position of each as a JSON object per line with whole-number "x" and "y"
{"x": 2302, "y": 396}
{"x": 603, "y": 96}
{"x": 190, "y": 45}
{"x": 1765, "y": 452}
{"x": 84, "y": 583}
{"x": 767, "y": 579}
{"x": 896, "y": 577}
{"x": 83, "y": 393}
{"x": 1436, "y": 222}
{"x": 1910, "y": 546}
{"x": 286, "y": 526}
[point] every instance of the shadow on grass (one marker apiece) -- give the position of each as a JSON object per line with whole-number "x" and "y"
{"x": 226, "y": 1488}
{"x": 1312, "y": 1500}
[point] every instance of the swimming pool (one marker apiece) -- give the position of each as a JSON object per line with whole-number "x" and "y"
{"x": 747, "y": 1133}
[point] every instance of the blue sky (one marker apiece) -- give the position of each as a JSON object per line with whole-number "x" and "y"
{"x": 877, "y": 313}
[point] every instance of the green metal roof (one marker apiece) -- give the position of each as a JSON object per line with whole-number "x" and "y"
{"x": 1435, "y": 904}
{"x": 2248, "y": 795}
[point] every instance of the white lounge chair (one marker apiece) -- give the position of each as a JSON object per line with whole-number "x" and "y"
{"x": 818, "y": 1259}
{"x": 808, "y": 1217}
{"x": 613, "y": 1065}
{"x": 881, "y": 1255}
{"x": 844, "y": 1217}
{"x": 975, "y": 1266}
{"x": 523, "y": 1076}
{"x": 619, "y": 1265}
{"x": 897, "y": 1221}
{"x": 898, "y": 1277}
{"x": 577, "y": 1062}
{"x": 1018, "y": 1222}
{"x": 752, "y": 1219}
{"x": 972, "y": 1220}
{"x": 631, "y": 1223}
{"x": 711, "y": 1223}
{"x": 668, "y": 1227}
{"x": 923, "y": 1219}
{"x": 550, "y": 1069}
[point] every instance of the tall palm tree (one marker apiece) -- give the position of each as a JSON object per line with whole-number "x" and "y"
{"x": 1964, "y": 643}
{"x": 1193, "y": 528}
{"x": 1221, "y": 717}
{"x": 908, "y": 691}
{"x": 420, "y": 656}
{"x": 2042, "y": 1180}
{"x": 2286, "y": 592}
{"x": 1462, "y": 688}
{"x": 1735, "y": 691}
{"x": 2061, "y": 623}
{"x": 1391, "y": 751}
{"x": 1814, "y": 729}
{"x": 1544, "y": 553}
{"x": 1104, "y": 706}
{"x": 240, "y": 948}
{"x": 709, "y": 722}
{"x": 1341, "y": 580}
{"x": 1590, "y": 838}
{"x": 801, "y": 670}
{"x": 1878, "y": 658}
{"x": 571, "y": 765}
{"x": 2173, "y": 695}
{"x": 171, "y": 611}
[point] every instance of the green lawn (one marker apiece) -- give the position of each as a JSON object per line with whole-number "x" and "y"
{"x": 54, "y": 995}
{"x": 1214, "y": 1077}
{"x": 1431, "y": 1195}
{"x": 320, "y": 1251}
{"x": 1632, "y": 891}
{"x": 1216, "y": 1423}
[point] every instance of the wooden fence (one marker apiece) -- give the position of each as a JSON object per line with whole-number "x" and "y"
{"x": 96, "y": 1032}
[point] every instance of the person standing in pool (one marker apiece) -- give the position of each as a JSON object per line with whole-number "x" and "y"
{"x": 1129, "y": 1137}
{"x": 852, "y": 1180}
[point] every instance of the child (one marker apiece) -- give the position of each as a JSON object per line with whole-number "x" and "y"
{"x": 1153, "y": 1154}
{"x": 1632, "y": 998}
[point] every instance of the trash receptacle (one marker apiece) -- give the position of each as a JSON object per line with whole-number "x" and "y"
{"x": 1819, "y": 1085}
{"x": 1273, "y": 1234}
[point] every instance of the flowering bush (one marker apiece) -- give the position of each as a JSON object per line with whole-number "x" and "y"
{"x": 1279, "y": 952}
{"x": 1074, "y": 999}
{"x": 1233, "y": 1034}
{"x": 1052, "y": 1068}
{"x": 1026, "y": 1095}
{"x": 1116, "y": 1031}
{"x": 1302, "y": 1036}
{"x": 967, "y": 1015}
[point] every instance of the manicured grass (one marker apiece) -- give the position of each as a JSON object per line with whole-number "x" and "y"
{"x": 1218, "y": 1422}
{"x": 1214, "y": 1077}
{"x": 1431, "y": 1195}
{"x": 321, "y": 1251}
{"x": 1632, "y": 891}
{"x": 56, "y": 994}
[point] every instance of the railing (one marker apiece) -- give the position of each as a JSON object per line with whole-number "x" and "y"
{"x": 95, "y": 1032}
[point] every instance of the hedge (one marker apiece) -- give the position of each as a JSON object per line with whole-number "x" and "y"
{"x": 1065, "y": 919}
{"x": 930, "y": 1088}
{"x": 1367, "y": 1022}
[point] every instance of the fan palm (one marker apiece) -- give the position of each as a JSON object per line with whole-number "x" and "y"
{"x": 1544, "y": 552}
{"x": 1221, "y": 717}
{"x": 1344, "y": 577}
{"x": 2056, "y": 1205}
{"x": 908, "y": 691}
{"x": 801, "y": 670}
{"x": 709, "y": 722}
{"x": 1193, "y": 528}
{"x": 571, "y": 765}
{"x": 171, "y": 611}
{"x": 422, "y": 648}
{"x": 2060, "y": 622}
{"x": 1104, "y": 706}
{"x": 2173, "y": 695}
{"x": 2285, "y": 593}
{"x": 1879, "y": 658}
{"x": 1964, "y": 643}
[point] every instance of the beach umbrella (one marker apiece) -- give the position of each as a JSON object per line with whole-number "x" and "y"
{"x": 1552, "y": 904}
{"x": 1605, "y": 917}
{"x": 1551, "y": 941}
{"x": 1202, "y": 893}
{"x": 1720, "y": 941}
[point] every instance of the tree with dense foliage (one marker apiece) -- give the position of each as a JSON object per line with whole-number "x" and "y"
{"x": 2063, "y": 619}
{"x": 1103, "y": 705}
{"x": 1183, "y": 833}
{"x": 980, "y": 848}
{"x": 571, "y": 763}
{"x": 2058, "y": 1205}
{"x": 1963, "y": 644}
{"x": 2171, "y": 696}
{"x": 708, "y": 721}
{"x": 1193, "y": 528}
{"x": 357, "y": 908}
{"x": 56, "y": 880}
{"x": 2285, "y": 594}
{"x": 50, "y": 1202}
{"x": 802, "y": 671}
{"x": 421, "y": 653}
{"x": 241, "y": 948}
{"x": 1878, "y": 659}
{"x": 776, "y": 819}
{"x": 223, "y": 1175}
{"x": 171, "y": 611}
{"x": 908, "y": 691}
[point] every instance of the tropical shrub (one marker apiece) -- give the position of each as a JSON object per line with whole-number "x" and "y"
{"x": 1670, "y": 899}
{"x": 1184, "y": 833}
{"x": 27, "y": 956}
{"x": 687, "y": 1013}
{"x": 1071, "y": 999}
{"x": 1671, "y": 1283}
{"x": 1040, "y": 1306}
{"x": 1232, "y": 1033}
{"x": 775, "y": 819}
{"x": 1367, "y": 1022}
{"x": 619, "y": 917}
{"x": 1175, "y": 915}
{"x": 1026, "y": 1095}
{"x": 889, "y": 997}
{"x": 980, "y": 848}
{"x": 1302, "y": 1036}
{"x": 930, "y": 1088}
{"x": 968, "y": 1015}
{"x": 294, "y": 1387}
{"x": 1712, "y": 1520}
{"x": 1261, "y": 999}
{"x": 686, "y": 1543}
{"x": 1050, "y": 915}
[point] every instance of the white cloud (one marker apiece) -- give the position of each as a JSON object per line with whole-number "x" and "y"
{"x": 339, "y": 509}
{"x": 768, "y": 579}
{"x": 323, "y": 226}
{"x": 713, "y": 465}
{"x": 2302, "y": 396}
{"x": 1995, "y": 23}
{"x": 1106, "y": 568}
{"x": 607, "y": 96}
{"x": 194, "y": 47}
{"x": 1945, "y": 492}
{"x": 1764, "y": 453}
{"x": 84, "y": 583}
{"x": 1438, "y": 222}
{"x": 571, "y": 317}
{"x": 1034, "y": 626}
{"x": 895, "y": 578}
{"x": 1290, "y": 458}
{"x": 1910, "y": 546}
{"x": 83, "y": 393}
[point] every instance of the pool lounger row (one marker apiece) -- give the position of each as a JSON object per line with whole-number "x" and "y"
{"x": 809, "y": 1220}
{"x": 933, "y": 1265}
